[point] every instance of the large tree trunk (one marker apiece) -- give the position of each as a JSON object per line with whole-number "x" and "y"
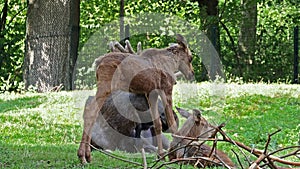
{"x": 247, "y": 36}
{"x": 52, "y": 35}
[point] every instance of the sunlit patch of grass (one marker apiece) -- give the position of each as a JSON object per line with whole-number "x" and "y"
{"x": 52, "y": 120}
{"x": 7, "y": 103}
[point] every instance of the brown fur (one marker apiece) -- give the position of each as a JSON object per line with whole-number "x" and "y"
{"x": 151, "y": 73}
{"x": 196, "y": 126}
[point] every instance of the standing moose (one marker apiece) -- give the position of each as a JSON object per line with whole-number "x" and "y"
{"x": 150, "y": 73}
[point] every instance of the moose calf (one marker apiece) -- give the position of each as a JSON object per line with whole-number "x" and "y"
{"x": 197, "y": 126}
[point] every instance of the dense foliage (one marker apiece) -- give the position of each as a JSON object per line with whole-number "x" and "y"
{"x": 273, "y": 60}
{"x": 12, "y": 36}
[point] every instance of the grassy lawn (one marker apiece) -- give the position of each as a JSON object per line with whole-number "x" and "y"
{"x": 44, "y": 130}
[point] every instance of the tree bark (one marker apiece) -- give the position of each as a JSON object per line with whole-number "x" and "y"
{"x": 52, "y": 36}
{"x": 3, "y": 19}
{"x": 247, "y": 35}
{"x": 75, "y": 29}
{"x": 122, "y": 15}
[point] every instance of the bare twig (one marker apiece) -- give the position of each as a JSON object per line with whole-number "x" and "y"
{"x": 215, "y": 141}
{"x": 269, "y": 139}
{"x": 285, "y": 148}
{"x": 239, "y": 161}
{"x": 294, "y": 153}
{"x": 223, "y": 163}
{"x": 144, "y": 158}
{"x": 116, "y": 157}
{"x": 239, "y": 145}
{"x": 213, "y": 148}
{"x": 173, "y": 161}
{"x": 277, "y": 159}
{"x": 188, "y": 160}
{"x": 185, "y": 137}
{"x": 265, "y": 153}
{"x": 215, "y": 129}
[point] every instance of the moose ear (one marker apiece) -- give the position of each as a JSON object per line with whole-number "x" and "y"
{"x": 183, "y": 112}
{"x": 197, "y": 115}
{"x": 181, "y": 40}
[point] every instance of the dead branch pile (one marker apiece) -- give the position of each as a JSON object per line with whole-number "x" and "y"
{"x": 264, "y": 158}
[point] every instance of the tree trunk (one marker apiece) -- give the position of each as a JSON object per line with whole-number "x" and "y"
{"x": 52, "y": 35}
{"x": 122, "y": 15}
{"x": 247, "y": 36}
{"x": 209, "y": 14}
{"x": 3, "y": 19}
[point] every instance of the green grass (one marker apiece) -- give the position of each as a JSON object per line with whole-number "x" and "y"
{"x": 43, "y": 130}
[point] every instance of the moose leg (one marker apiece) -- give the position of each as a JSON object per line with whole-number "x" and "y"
{"x": 89, "y": 118}
{"x": 166, "y": 97}
{"x": 153, "y": 97}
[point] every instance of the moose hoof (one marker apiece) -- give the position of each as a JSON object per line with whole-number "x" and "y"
{"x": 81, "y": 156}
{"x": 88, "y": 156}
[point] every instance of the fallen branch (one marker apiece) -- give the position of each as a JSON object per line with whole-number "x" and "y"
{"x": 256, "y": 151}
{"x": 198, "y": 161}
{"x": 255, "y": 165}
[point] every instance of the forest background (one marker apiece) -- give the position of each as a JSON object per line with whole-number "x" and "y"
{"x": 254, "y": 39}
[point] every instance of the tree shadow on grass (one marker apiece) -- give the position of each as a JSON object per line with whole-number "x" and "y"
{"x": 22, "y": 103}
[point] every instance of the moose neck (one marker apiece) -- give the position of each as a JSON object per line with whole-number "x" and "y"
{"x": 169, "y": 62}
{"x": 163, "y": 59}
